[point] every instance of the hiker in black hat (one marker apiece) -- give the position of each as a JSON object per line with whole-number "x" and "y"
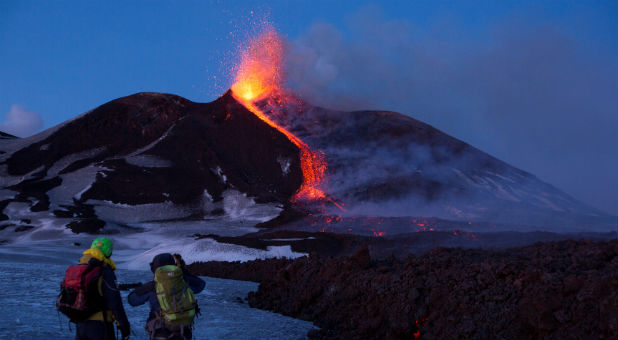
{"x": 171, "y": 296}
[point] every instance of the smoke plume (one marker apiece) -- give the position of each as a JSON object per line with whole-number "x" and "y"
{"x": 538, "y": 98}
{"x": 21, "y": 122}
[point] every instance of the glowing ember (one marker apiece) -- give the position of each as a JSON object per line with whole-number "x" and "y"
{"x": 377, "y": 233}
{"x": 420, "y": 324}
{"x": 464, "y": 233}
{"x": 259, "y": 74}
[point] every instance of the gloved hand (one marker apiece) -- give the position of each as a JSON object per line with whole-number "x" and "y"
{"x": 125, "y": 330}
{"x": 180, "y": 262}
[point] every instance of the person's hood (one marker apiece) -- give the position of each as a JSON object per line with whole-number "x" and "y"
{"x": 96, "y": 253}
{"x": 164, "y": 259}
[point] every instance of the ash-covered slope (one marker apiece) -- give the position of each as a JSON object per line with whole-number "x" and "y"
{"x": 389, "y": 164}
{"x": 171, "y": 157}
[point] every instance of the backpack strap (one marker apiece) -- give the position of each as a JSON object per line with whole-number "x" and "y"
{"x": 155, "y": 324}
{"x": 90, "y": 267}
{"x": 174, "y": 298}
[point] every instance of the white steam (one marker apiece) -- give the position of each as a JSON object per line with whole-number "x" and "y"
{"x": 21, "y": 122}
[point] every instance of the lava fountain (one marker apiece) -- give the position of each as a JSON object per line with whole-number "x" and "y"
{"x": 260, "y": 74}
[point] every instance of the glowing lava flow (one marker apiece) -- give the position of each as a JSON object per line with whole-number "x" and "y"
{"x": 259, "y": 74}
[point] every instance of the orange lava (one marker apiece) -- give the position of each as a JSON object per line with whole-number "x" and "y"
{"x": 259, "y": 74}
{"x": 377, "y": 233}
{"x": 420, "y": 324}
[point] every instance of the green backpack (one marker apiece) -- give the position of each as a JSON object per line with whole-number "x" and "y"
{"x": 175, "y": 297}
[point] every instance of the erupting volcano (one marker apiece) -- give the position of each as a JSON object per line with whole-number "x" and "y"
{"x": 259, "y": 75}
{"x": 259, "y": 152}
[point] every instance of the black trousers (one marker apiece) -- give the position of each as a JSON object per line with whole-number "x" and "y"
{"x": 95, "y": 330}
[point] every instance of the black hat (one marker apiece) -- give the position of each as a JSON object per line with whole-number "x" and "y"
{"x": 162, "y": 260}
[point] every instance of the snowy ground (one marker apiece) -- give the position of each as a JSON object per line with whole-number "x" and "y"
{"x": 136, "y": 245}
{"x": 36, "y": 248}
{"x": 30, "y": 277}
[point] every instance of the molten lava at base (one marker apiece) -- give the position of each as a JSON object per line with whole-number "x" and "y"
{"x": 259, "y": 74}
{"x": 312, "y": 163}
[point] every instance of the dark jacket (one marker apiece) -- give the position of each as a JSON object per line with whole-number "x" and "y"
{"x": 147, "y": 293}
{"x": 112, "y": 297}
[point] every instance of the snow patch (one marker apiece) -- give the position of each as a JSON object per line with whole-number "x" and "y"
{"x": 221, "y": 175}
{"x": 463, "y": 176}
{"x": 6, "y": 180}
{"x": 65, "y": 161}
{"x": 151, "y": 145}
{"x": 501, "y": 192}
{"x": 504, "y": 178}
{"x": 548, "y": 203}
{"x": 207, "y": 196}
{"x": 285, "y": 165}
{"x": 46, "y": 229}
{"x": 238, "y": 206}
{"x": 7, "y": 194}
{"x": 148, "y": 161}
{"x": 74, "y": 185}
{"x": 204, "y": 250}
{"x": 289, "y": 239}
{"x": 17, "y": 210}
{"x": 127, "y": 213}
{"x": 79, "y": 194}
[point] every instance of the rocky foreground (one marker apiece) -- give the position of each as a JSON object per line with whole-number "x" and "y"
{"x": 553, "y": 290}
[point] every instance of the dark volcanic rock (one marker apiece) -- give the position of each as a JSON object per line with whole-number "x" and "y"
{"x": 89, "y": 226}
{"x": 23, "y": 228}
{"x": 3, "y": 204}
{"x": 37, "y": 189}
{"x": 154, "y": 148}
{"x": 210, "y": 139}
{"x": 78, "y": 210}
{"x": 329, "y": 244}
{"x": 121, "y": 126}
{"x": 256, "y": 271}
{"x": 6, "y": 225}
{"x": 555, "y": 290}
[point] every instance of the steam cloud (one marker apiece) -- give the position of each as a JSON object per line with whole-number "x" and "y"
{"x": 538, "y": 99}
{"x": 21, "y": 122}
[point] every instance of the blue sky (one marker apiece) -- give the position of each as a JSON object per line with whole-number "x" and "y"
{"x": 533, "y": 83}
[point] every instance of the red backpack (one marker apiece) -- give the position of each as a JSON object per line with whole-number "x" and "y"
{"x": 79, "y": 297}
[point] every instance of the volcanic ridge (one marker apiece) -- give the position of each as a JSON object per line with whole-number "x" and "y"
{"x": 177, "y": 160}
